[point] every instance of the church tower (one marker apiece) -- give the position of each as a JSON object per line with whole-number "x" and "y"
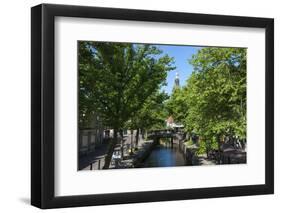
{"x": 177, "y": 81}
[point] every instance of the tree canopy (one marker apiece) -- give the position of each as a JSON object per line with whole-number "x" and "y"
{"x": 176, "y": 105}
{"x": 116, "y": 79}
{"x": 214, "y": 95}
{"x": 122, "y": 83}
{"x": 152, "y": 115}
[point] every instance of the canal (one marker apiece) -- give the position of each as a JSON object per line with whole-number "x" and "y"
{"x": 163, "y": 156}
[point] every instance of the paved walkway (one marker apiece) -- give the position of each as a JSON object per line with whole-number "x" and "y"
{"x": 96, "y": 159}
{"x": 203, "y": 160}
{"x": 127, "y": 158}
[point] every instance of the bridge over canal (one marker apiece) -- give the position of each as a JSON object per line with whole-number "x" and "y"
{"x": 156, "y": 135}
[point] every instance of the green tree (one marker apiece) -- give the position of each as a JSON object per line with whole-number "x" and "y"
{"x": 116, "y": 79}
{"x": 177, "y": 105}
{"x": 216, "y": 93}
{"x": 151, "y": 116}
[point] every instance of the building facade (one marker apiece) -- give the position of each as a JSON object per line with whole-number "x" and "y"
{"x": 92, "y": 136}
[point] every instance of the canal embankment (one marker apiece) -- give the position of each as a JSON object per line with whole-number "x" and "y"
{"x": 142, "y": 154}
{"x": 192, "y": 156}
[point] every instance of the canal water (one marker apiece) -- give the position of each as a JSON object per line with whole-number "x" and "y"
{"x": 162, "y": 156}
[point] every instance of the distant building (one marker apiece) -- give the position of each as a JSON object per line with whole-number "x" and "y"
{"x": 177, "y": 81}
{"x": 170, "y": 123}
{"x": 92, "y": 136}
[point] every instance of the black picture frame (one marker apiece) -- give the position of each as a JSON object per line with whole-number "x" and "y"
{"x": 43, "y": 110}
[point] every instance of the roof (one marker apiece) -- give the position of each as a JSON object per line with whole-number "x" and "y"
{"x": 170, "y": 120}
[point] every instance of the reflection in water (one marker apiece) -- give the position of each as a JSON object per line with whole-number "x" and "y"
{"x": 162, "y": 156}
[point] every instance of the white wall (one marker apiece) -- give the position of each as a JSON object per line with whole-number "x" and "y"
{"x": 15, "y": 105}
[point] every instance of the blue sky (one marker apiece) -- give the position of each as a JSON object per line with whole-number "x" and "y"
{"x": 181, "y": 56}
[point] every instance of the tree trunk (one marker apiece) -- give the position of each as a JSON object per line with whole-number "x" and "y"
{"x": 219, "y": 149}
{"x": 208, "y": 146}
{"x": 132, "y": 138}
{"x": 142, "y": 133}
{"x": 122, "y": 144}
{"x": 110, "y": 150}
{"x": 145, "y": 137}
{"x": 137, "y": 137}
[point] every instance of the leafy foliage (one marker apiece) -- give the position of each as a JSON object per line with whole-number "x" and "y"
{"x": 216, "y": 93}
{"x": 117, "y": 79}
{"x": 152, "y": 115}
{"x": 177, "y": 106}
{"x": 121, "y": 83}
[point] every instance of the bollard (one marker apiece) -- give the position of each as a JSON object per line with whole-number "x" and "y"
{"x": 91, "y": 166}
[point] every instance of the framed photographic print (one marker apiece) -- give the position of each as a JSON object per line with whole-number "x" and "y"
{"x": 140, "y": 106}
